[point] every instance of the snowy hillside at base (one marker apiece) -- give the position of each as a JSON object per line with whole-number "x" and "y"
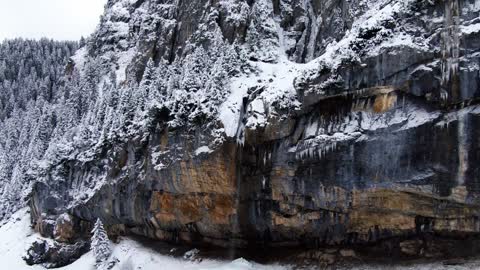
{"x": 16, "y": 235}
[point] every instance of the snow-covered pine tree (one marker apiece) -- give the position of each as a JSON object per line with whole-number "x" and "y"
{"x": 262, "y": 35}
{"x": 145, "y": 95}
{"x": 100, "y": 244}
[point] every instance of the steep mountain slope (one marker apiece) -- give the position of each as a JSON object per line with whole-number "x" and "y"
{"x": 268, "y": 123}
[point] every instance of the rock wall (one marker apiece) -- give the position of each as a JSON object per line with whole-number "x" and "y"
{"x": 384, "y": 144}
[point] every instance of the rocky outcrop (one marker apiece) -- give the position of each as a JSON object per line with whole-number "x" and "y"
{"x": 54, "y": 255}
{"x": 381, "y": 141}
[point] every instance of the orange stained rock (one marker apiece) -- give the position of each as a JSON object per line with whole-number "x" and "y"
{"x": 384, "y": 102}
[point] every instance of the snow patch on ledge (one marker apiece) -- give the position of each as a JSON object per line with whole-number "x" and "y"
{"x": 80, "y": 58}
{"x": 470, "y": 29}
{"x": 451, "y": 117}
{"x": 203, "y": 150}
{"x": 125, "y": 58}
{"x": 274, "y": 80}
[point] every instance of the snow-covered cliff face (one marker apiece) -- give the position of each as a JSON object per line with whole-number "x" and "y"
{"x": 274, "y": 122}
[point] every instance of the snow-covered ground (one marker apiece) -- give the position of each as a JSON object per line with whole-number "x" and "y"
{"x": 16, "y": 235}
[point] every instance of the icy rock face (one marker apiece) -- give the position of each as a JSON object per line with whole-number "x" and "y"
{"x": 376, "y": 137}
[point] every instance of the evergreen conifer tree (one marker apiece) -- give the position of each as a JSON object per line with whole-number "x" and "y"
{"x": 100, "y": 244}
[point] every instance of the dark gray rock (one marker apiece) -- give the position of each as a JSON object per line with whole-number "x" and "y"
{"x": 54, "y": 255}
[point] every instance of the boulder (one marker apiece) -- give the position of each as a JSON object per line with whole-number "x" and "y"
{"x": 54, "y": 255}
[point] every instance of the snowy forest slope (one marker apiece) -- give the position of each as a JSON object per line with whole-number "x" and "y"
{"x": 34, "y": 97}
